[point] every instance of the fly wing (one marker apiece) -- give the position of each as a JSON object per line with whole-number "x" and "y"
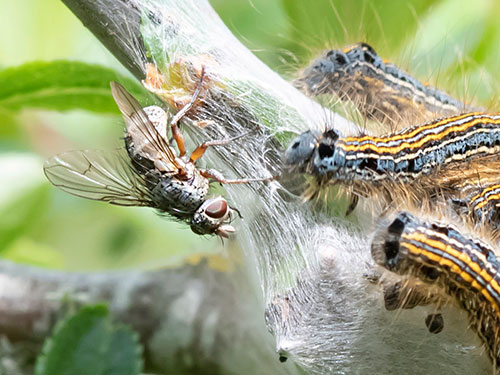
{"x": 148, "y": 141}
{"x": 98, "y": 175}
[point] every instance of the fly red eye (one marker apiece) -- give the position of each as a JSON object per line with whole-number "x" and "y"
{"x": 217, "y": 209}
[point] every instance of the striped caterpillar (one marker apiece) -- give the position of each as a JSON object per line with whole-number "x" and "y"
{"x": 444, "y": 158}
{"x": 420, "y": 156}
{"x": 478, "y": 193}
{"x": 462, "y": 266}
{"x": 452, "y": 160}
{"x": 380, "y": 90}
{"x": 403, "y": 156}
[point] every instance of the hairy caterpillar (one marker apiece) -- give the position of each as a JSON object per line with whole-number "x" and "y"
{"x": 380, "y": 90}
{"x": 438, "y": 253}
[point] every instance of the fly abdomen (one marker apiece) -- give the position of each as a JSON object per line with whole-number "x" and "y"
{"x": 141, "y": 164}
{"x": 179, "y": 198}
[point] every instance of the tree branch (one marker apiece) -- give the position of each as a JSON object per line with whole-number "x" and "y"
{"x": 187, "y": 318}
{"x": 96, "y": 16}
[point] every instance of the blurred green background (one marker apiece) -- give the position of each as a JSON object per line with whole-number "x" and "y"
{"x": 450, "y": 43}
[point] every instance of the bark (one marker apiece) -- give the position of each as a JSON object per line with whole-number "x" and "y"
{"x": 187, "y": 318}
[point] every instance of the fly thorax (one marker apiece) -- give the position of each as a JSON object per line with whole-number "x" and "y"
{"x": 175, "y": 194}
{"x": 139, "y": 143}
{"x": 194, "y": 178}
{"x": 201, "y": 183}
{"x": 159, "y": 118}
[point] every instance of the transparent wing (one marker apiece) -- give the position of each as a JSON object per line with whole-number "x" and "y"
{"x": 152, "y": 144}
{"x": 100, "y": 175}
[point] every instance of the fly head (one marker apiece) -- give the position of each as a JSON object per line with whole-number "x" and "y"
{"x": 213, "y": 217}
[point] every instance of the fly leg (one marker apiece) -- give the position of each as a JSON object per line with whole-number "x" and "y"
{"x": 176, "y": 133}
{"x": 217, "y": 176}
{"x": 200, "y": 150}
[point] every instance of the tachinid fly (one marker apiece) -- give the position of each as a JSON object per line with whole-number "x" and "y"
{"x": 151, "y": 175}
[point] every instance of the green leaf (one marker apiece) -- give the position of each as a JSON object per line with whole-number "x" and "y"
{"x": 437, "y": 46}
{"x": 21, "y": 213}
{"x": 89, "y": 343}
{"x": 62, "y": 85}
{"x": 10, "y": 133}
{"x": 270, "y": 40}
{"x": 31, "y": 251}
{"x": 125, "y": 356}
{"x": 23, "y": 195}
{"x": 383, "y": 23}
